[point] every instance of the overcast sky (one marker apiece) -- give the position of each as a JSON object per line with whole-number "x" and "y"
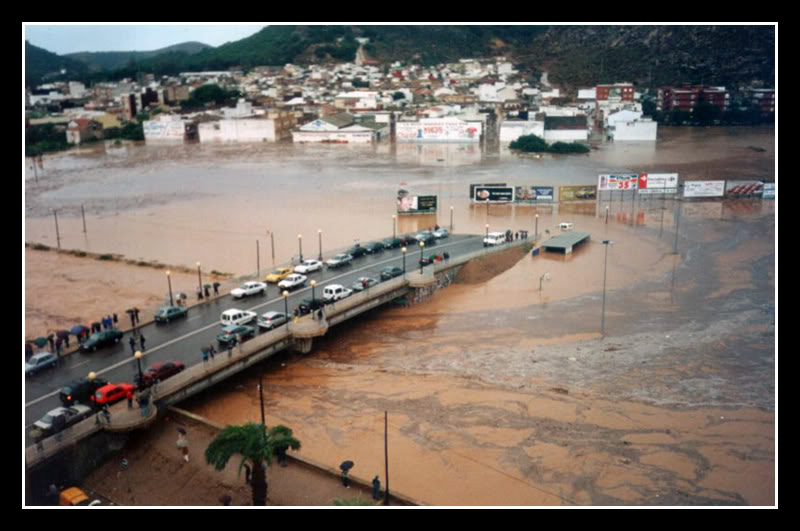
{"x": 69, "y": 38}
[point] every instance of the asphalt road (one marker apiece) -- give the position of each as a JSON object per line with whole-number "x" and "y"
{"x": 183, "y": 339}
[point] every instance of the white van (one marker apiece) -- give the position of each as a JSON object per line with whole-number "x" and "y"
{"x": 566, "y": 226}
{"x": 494, "y": 238}
{"x": 236, "y": 317}
{"x": 334, "y": 292}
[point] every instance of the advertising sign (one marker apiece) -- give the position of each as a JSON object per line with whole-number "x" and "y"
{"x": 438, "y": 130}
{"x": 534, "y": 194}
{"x": 769, "y": 191}
{"x": 486, "y": 194}
{"x": 577, "y": 193}
{"x": 703, "y": 188}
{"x": 737, "y": 189}
{"x": 407, "y": 203}
{"x": 658, "y": 183}
{"x": 617, "y": 182}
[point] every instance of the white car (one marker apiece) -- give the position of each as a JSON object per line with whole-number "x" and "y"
{"x": 292, "y": 281}
{"x": 339, "y": 260}
{"x": 271, "y": 320}
{"x": 61, "y": 417}
{"x": 236, "y": 317}
{"x": 441, "y": 233}
{"x": 308, "y": 266}
{"x": 334, "y": 292}
{"x": 249, "y": 288}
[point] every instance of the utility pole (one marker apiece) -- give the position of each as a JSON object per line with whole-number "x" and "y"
{"x": 58, "y": 237}
{"x": 386, "y": 454}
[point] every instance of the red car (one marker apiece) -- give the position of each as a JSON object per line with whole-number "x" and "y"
{"x": 112, "y": 393}
{"x": 161, "y": 370}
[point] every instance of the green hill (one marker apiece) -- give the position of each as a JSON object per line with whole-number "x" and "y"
{"x": 109, "y": 61}
{"x": 41, "y": 65}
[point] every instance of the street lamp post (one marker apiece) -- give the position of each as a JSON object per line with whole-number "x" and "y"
{"x": 313, "y": 284}
{"x": 394, "y": 227}
{"x": 421, "y": 252}
{"x": 169, "y": 283}
{"x": 451, "y": 219}
{"x": 606, "y": 214}
{"x": 319, "y": 233}
{"x": 286, "y": 307}
{"x": 605, "y": 266}
{"x": 138, "y": 357}
{"x": 536, "y": 233}
{"x": 199, "y": 282}
{"x": 404, "y": 262}
{"x": 300, "y": 243}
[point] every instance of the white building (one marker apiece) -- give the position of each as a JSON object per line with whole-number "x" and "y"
{"x": 448, "y": 129}
{"x": 165, "y": 127}
{"x": 339, "y": 129}
{"x": 587, "y": 94}
{"x": 621, "y": 116}
{"x": 566, "y": 129}
{"x": 511, "y": 130}
{"x": 638, "y": 130}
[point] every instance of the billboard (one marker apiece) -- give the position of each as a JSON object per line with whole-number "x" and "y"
{"x": 737, "y": 189}
{"x": 438, "y": 130}
{"x": 407, "y": 203}
{"x": 617, "y": 182}
{"x": 577, "y": 193}
{"x": 534, "y": 194}
{"x": 769, "y": 191}
{"x": 658, "y": 183}
{"x": 493, "y": 194}
{"x": 703, "y": 188}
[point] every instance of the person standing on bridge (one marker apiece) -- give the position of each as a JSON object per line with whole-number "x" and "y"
{"x": 132, "y": 343}
{"x": 141, "y": 341}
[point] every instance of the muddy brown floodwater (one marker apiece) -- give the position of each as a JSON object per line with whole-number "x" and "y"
{"x": 497, "y": 392}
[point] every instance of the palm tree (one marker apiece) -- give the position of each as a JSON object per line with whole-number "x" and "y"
{"x": 256, "y": 445}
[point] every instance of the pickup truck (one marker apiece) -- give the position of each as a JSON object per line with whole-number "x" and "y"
{"x": 339, "y": 260}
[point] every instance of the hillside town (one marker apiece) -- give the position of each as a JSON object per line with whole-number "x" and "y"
{"x": 473, "y": 101}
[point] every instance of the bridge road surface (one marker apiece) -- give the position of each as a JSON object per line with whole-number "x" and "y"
{"x": 184, "y": 338}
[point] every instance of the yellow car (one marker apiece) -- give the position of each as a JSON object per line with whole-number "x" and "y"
{"x": 278, "y": 275}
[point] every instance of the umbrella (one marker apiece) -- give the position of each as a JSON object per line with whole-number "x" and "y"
{"x": 217, "y": 284}
{"x": 346, "y": 465}
{"x": 207, "y": 286}
{"x": 181, "y": 431}
{"x": 77, "y": 330}
{"x": 61, "y": 334}
{"x": 40, "y": 341}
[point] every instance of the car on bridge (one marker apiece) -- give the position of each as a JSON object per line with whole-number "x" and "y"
{"x": 309, "y": 305}
{"x": 230, "y": 334}
{"x": 363, "y": 283}
{"x": 271, "y": 320}
{"x": 168, "y": 313}
{"x": 308, "y": 266}
{"x": 59, "y": 419}
{"x": 101, "y": 339}
{"x": 335, "y": 292}
{"x": 356, "y": 251}
{"x": 392, "y": 243}
{"x": 81, "y": 390}
{"x": 161, "y": 371}
{"x": 388, "y": 273}
{"x": 407, "y": 239}
{"x": 40, "y": 361}
{"x": 278, "y": 274}
{"x": 339, "y": 260}
{"x": 236, "y": 317}
{"x": 249, "y": 288}
{"x": 427, "y": 238}
{"x": 374, "y": 247}
{"x": 293, "y": 281}
{"x": 441, "y": 233}
{"x": 112, "y": 393}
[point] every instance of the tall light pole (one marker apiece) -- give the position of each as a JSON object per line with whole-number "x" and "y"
{"x": 421, "y": 252}
{"x": 169, "y": 283}
{"x": 606, "y": 214}
{"x": 394, "y": 226}
{"x": 199, "y": 282}
{"x": 313, "y": 284}
{"x": 286, "y": 307}
{"x": 138, "y": 357}
{"x": 605, "y": 266}
{"x": 451, "y": 219}
{"x": 300, "y": 243}
{"x": 536, "y": 233}
{"x": 319, "y": 233}
{"x": 404, "y": 262}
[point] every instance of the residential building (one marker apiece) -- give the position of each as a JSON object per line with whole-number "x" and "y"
{"x": 272, "y": 126}
{"x": 687, "y": 97}
{"x": 82, "y": 129}
{"x": 447, "y": 129}
{"x": 764, "y": 99}
{"x": 165, "y": 127}
{"x": 336, "y": 129}
{"x": 643, "y": 129}
{"x": 511, "y": 130}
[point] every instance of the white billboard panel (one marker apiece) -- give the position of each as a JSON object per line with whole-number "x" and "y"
{"x": 703, "y": 188}
{"x": 617, "y": 182}
{"x": 658, "y": 183}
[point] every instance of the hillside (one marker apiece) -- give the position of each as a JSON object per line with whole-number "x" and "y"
{"x": 109, "y": 61}
{"x": 40, "y": 64}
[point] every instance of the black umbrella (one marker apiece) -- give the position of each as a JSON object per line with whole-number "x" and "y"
{"x": 346, "y": 465}
{"x": 78, "y": 329}
{"x": 217, "y": 284}
{"x": 40, "y": 341}
{"x": 62, "y": 334}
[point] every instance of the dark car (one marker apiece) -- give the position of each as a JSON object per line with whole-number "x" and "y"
{"x": 309, "y": 305}
{"x": 230, "y": 333}
{"x": 81, "y": 390}
{"x": 101, "y": 339}
{"x": 374, "y": 247}
{"x": 427, "y": 260}
{"x": 407, "y": 240}
{"x": 160, "y": 371}
{"x": 392, "y": 243}
{"x": 363, "y": 283}
{"x": 356, "y": 251}
{"x": 427, "y": 238}
{"x": 168, "y": 313}
{"x": 388, "y": 273}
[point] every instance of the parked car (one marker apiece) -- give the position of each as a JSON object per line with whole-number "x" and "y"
{"x": 293, "y": 281}
{"x": 335, "y": 292}
{"x": 42, "y": 360}
{"x": 392, "y": 243}
{"x": 388, "y": 273}
{"x": 101, "y": 339}
{"x": 426, "y": 260}
{"x": 81, "y": 390}
{"x": 427, "y": 238}
{"x": 249, "y": 288}
{"x": 363, "y": 283}
{"x": 441, "y": 233}
{"x": 308, "y": 266}
{"x": 309, "y": 305}
{"x": 407, "y": 239}
{"x": 494, "y": 238}
{"x": 374, "y": 247}
{"x": 74, "y": 496}
{"x": 161, "y": 371}
{"x": 112, "y": 393}
{"x": 168, "y": 313}
{"x": 236, "y": 317}
{"x": 356, "y": 251}
{"x": 278, "y": 274}
{"x": 339, "y": 260}
{"x": 59, "y": 419}
{"x": 271, "y": 320}
{"x": 230, "y": 334}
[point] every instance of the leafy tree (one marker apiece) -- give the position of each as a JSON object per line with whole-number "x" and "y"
{"x": 256, "y": 445}
{"x": 44, "y": 138}
{"x": 398, "y": 96}
{"x": 529, "y": 144}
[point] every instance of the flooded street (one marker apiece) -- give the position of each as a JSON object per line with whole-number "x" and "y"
{"x": 498, "y": 391}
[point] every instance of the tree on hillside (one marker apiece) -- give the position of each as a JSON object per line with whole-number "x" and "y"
{"x": 256, "y": 445}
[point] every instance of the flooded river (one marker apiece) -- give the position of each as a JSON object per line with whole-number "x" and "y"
{"x": 499, "y": 392}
